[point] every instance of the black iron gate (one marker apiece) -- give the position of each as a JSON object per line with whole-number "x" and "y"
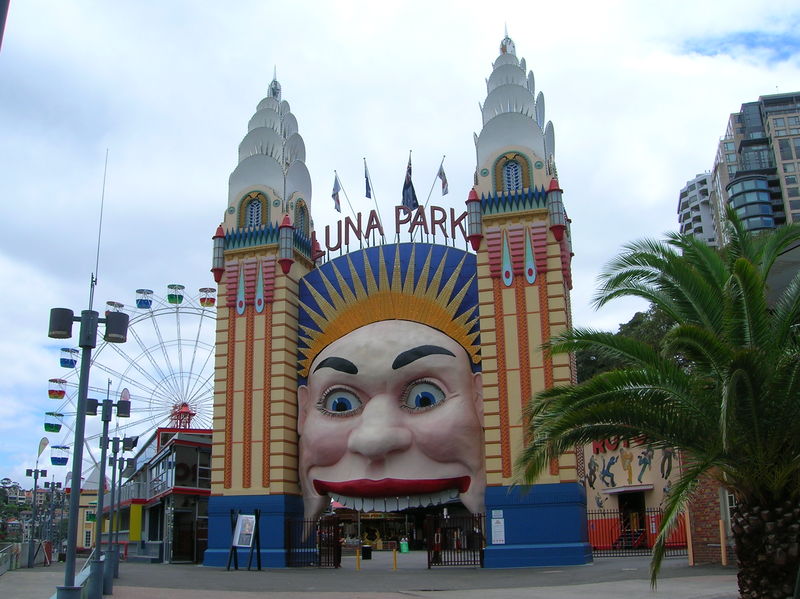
{"x": 313, "y": 543}
{"x": 454, "y": 541}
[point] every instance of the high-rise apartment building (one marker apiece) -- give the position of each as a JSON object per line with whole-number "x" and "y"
{"x": 756, "y": 166}
{"x": 694, "y": 209}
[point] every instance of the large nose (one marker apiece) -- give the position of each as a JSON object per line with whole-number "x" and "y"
{"x": 380, "y": 431}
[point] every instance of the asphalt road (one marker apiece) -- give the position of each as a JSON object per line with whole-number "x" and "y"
{"x": 606, "y": 578}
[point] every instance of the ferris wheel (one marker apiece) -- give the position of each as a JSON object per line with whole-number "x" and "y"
{"x": 166, "y": 366}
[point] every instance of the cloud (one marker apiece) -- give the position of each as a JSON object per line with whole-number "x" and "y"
{"x": 759, "y": 46}
{"x": 638, "y": 93}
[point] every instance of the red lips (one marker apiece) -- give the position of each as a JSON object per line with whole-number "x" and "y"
{"x": 391, "y": 487}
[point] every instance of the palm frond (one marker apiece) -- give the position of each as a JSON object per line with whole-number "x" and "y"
{"x": 747, "y": 321}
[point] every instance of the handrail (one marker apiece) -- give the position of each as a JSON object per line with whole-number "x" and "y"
{"x": 5, "y": 559}
{"x": 88, "y": 561}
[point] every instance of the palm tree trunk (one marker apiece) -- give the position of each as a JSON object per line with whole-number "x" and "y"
{"x": 767, "y": 548}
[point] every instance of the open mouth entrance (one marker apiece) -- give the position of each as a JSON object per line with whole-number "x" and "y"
{"x": 442, "y": 534}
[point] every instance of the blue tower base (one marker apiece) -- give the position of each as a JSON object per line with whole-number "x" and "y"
{"x": 543, "y": 525}
{"x": 275, "y": 510}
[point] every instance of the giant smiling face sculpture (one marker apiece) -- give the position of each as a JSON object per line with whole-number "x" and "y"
{"x": 391, "y": 417}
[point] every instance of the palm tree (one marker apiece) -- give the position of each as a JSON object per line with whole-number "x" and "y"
{"x": 724, "y": 389}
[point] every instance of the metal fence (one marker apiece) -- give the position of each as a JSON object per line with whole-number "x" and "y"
{"x": 615, "y": 533}
{"x": 454, "y": 541}
{"x": 313, "y": 543}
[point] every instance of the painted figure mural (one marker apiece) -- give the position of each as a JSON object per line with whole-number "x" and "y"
{"x": 626, "y": 459}
{"x": 390, "y": 413}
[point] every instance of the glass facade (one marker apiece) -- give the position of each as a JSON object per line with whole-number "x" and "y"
{"x": 752, "y": 200}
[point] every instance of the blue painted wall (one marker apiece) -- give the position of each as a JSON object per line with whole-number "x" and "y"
{"x": 545, "y": 525}
{"x": 275, "y": 509}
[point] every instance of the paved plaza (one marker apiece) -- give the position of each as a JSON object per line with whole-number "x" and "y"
{"x": 604, "y": 579}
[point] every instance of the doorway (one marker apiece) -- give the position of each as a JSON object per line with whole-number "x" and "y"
{"x": 183, "y": 536}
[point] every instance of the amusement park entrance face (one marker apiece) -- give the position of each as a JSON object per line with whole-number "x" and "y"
{"x": 391, "y": 418}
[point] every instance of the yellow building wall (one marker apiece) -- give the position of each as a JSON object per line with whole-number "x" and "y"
{"x": 515, "y": 321}
{"x": 254, "y": 439}
{"x": 135, "y": 527}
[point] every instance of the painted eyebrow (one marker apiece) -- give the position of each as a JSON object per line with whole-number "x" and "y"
{"x": 339, "y": 364}
{"x": 416, "y": 353}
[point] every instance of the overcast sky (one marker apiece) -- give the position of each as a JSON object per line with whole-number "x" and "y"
{"x": 639, "y": 94}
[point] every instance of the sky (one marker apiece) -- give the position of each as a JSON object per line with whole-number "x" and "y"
{"x": 639, "y": 94}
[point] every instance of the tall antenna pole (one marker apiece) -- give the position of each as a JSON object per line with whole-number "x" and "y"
{"x": 93, "y": 281}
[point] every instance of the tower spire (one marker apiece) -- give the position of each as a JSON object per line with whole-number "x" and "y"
{"x": 507, "y": 45}
{"x": 275, "y": 87}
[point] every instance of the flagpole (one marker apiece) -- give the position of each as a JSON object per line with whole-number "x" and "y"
{"x": 374, "y": 198}
{"x": 436, "y": 176}
{"x": 345, "y": 193}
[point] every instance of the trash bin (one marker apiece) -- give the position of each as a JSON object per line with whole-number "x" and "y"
{"x": 366, "y": 552}
{"x": 403, "y": 546}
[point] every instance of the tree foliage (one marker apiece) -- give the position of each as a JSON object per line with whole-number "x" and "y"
{"x": 722, "y": 384}
{"x": 649, "y": 327}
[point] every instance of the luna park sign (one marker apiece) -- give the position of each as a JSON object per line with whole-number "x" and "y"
{"x": 433, "y": 220}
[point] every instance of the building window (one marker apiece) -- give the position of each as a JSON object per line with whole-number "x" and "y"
{"x": 794, "y": 204}
{"x": 779, "y": 132}
{"x": 729, "y": 146}
{"x": 785, "y": 149}
{"x": 87, "y": 538}
{"x": 253, "y": 210}
{"x": 793, "y": 120}
{"x": 301, "y": 218}
{"x": 779, "y": 122}
{"x": 730, "y": 157}
{"x": 796, "y": 142}
{"x": 791, "y": 180}
{"x": 727, "y": 504}
{"x": 793, "y": 192}
{"x": 789, "y": 167}
{"x": 253, "y": 218}
{"x": 512, "y": 176}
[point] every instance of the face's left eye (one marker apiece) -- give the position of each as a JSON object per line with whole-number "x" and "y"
{"x": 422, "y": 395}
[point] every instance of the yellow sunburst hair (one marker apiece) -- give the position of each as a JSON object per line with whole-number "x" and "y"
{"x": 383, "y": 298}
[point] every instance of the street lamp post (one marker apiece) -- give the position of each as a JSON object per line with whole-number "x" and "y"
{"x": 115, "y": 509}
{"x": 35, "y": 473}
{"x": 101, "y": 584}
{"x": 61, "y": 320}
{"x": 52, "y": 534}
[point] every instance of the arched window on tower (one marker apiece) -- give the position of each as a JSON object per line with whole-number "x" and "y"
{"x": 301, "y": 218}
{"x": 253, "y": 217}
{"x": 512, "y": 176}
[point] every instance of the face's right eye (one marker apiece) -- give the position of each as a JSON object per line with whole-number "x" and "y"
{"x": 340, "y": 402}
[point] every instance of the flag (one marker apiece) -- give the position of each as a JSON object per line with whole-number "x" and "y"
{"x": 335, "y": 193}
{"x": 409, "y": 195}
{"x": 366, "y": 178}
{"x": 443, "y": 177}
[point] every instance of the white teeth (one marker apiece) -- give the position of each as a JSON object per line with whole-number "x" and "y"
{"x": 394, "y": 504}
